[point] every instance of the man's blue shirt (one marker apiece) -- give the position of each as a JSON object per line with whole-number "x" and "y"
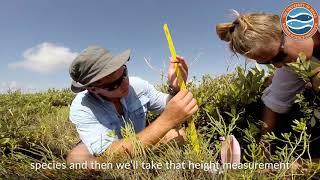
{"x": 98, "y": 122}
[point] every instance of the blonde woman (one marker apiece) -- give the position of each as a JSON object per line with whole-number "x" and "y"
{"x": 259, "y": 36}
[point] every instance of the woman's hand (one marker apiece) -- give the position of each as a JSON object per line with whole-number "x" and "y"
{"x": 172, "y": 77}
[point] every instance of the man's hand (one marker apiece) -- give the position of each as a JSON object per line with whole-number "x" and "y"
{"x": 172, "y": 77}
{"x": 179, "y": 108}
{"x": 177, "y": 135}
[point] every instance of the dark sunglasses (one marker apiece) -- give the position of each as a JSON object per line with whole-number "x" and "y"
{"x": 117, "y": 83}
{"x": 281, "y": 54}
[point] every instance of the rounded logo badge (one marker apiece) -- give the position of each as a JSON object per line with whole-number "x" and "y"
{"x": 299, "y": 20}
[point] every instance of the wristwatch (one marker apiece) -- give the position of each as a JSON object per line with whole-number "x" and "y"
{"x": 172, "y": 91}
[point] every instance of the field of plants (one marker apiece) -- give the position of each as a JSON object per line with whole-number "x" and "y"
{"x": 34, "y": 128}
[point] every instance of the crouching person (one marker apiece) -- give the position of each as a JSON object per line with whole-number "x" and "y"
{"x": 107, "y": 99}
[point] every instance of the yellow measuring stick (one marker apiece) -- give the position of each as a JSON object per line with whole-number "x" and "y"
{"x": 181, "y": 82}
{"x": 182, "y": 85}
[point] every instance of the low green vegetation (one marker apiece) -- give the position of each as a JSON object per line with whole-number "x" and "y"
{"x": 34, "y": 128}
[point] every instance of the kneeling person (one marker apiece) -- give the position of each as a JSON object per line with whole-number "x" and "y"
{"x": 107, "y": 99}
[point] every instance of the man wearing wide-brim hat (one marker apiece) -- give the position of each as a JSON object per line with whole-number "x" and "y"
{"x": 107, "y": 99}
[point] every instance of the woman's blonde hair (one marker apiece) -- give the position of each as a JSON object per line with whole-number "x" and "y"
{"x": 250, "y": 31}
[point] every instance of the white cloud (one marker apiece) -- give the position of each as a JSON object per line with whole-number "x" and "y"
{"x": 45, "y": 58}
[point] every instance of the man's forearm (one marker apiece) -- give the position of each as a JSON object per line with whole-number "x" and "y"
{"x": 148, "y": 136}
{"x": 168, "y": 98}
{"x": 177, "y": 110}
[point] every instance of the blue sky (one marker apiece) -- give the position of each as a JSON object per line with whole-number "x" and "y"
{"x": 39, "y": 38}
